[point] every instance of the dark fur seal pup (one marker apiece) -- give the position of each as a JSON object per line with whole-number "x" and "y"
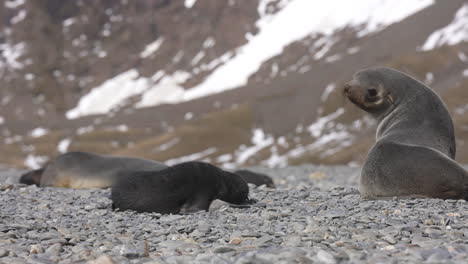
{"x": 86, "y": 170}
{"x": 415, "y": 143}
{"x": 184, "y": 188}
{"x": 256, "y": 178}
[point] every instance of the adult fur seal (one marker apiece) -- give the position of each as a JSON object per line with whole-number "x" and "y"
{"x": 89, "y": 170}
{"x": 184, "y": 188}
{"x": 415, "y": 143}
{"x": 255, "y": 178}
{"x": 86, "y": 170}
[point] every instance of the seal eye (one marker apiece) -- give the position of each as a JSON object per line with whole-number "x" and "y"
{"x": 372, "y": 92}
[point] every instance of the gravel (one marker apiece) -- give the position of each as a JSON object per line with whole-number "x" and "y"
{"x": 315, "y": 215}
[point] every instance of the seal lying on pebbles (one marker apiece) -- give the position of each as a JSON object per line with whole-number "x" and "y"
{"x": 86, "y": 170}
{"x": 255, "y": 178}
{"x": 89, "y": 170}
{"x": 184, "y": 188}
{"x": 415, "y": 143}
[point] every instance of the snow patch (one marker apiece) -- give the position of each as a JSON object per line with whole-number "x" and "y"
{"x": 328, "y": 90}
{"x": 84, "y": 130}
{"x": 260, "y": 140}
{"x": 2, "y": 120}
{"x": 151, "y": 48}
{"x": 19, "y": 17}
{"x": 167, "y": 90}
{"x": 453, "y": 33}
{"x": 12, "y": 4}
{"x": 35, "y": 162}
{"x": 318, "y": 126}
{"x": 39, "y": 132}
{"x": 429, "y": 78}
{"x": 189, "y": 3}
{"x": 224, "y": 158}
{"x": 63, "y": 145}
{"x": 110, "y": 94}
{"x": 168, "y": 145}
{"x": 188, "y": 116}
{"x": 11, "y": 54}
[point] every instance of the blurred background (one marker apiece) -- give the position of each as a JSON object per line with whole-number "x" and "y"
{"x": 232, "y": 82}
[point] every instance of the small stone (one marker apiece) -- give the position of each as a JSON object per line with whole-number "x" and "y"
{"x": 54, "y": 249}
{"x": 130, "y": 251}
{"x": 432, "y": 232}
{"x": 318, "y": 175}
{"x": 223, "y": 249}
{"x": 390, "y": 239}
{"x": 326, "y": 257}
{"x": 36, "y": 249}
{"x": 235, "y": 241}
{"x": 101, "y": 260}
{"x": 339, "y": 243}
{"x": 262, "y": 240}
{"x": 3, "y": 252}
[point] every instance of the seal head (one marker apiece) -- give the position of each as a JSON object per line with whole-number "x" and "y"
{"x": 407, "y": 110}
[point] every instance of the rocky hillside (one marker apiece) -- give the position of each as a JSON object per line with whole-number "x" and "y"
{"x": 232, "y": 82}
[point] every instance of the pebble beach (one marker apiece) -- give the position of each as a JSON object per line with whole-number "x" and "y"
{"x": 315, "y": 215}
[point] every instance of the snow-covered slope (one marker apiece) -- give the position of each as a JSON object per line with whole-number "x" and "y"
{"x": 231, "y": 82}
{"x": 295, "y": 20}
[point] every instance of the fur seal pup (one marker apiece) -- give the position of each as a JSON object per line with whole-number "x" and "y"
{"x": 184, "y": 188}
{"x": 415, "y": 142}
{"x": 255, "y": 178}
{"x": 86, "y": 170}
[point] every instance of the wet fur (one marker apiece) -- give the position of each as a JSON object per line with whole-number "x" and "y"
{"x": 184, "y": 188}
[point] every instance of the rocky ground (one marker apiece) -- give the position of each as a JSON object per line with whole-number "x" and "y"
{"x": 314, "y": 216}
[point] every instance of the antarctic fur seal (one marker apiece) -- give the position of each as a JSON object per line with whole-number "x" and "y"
{"x": 415, "y": 143}
{"x": 256, "y": 178}
{"x": 183, "y": 188}
{"x": 90, "y": 170}
{"x": 86, "y": 170}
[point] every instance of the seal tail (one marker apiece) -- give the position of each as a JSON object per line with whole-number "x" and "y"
{"x": 32, "y": 177}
